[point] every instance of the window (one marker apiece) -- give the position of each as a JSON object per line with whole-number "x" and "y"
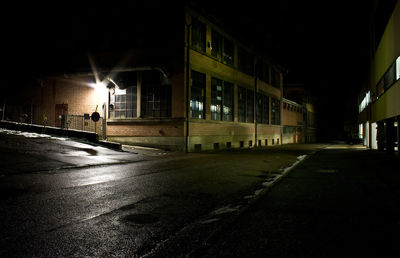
{"x": 263, "y": 72}
{"x": 221, "y": 100}
{"x": 245, "y": 61}
{"x": 216, "y": 44}
{"x": 276, "y": 80}
{"x": 198, "y": 35}
{"x": 123, "y": 98}
{"x": 246, "y": 105}
{"x": 228, "y": 102}
{"x": 390, "y": 76}
{"x": 155, "y": 97}
{"x": 216, "y": 99}
{"x": 275, "y": 112}
{"x": 197, "y": 95}
{"x": 262, "y": 108}
{"x": 228, "y": 52}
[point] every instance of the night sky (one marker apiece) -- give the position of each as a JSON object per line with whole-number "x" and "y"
{"x": 322, "y": 44}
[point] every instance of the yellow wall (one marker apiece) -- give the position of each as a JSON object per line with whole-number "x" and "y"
{"x": 388, "y": 105}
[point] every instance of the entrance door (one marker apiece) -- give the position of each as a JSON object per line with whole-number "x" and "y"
{"x": 61, "y": 113}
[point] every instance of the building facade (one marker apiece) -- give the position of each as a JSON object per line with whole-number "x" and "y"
{"x": 379, "y": 101}
{"x": 203, "y": 90}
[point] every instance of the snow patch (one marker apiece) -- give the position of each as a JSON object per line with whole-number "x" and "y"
{"x": 301, "y": 157}
{"x": 30, "y": 135}
{"x": 208, "y": 221}
{"x": 257, "y": 192}
{"x": 226, "y": 209}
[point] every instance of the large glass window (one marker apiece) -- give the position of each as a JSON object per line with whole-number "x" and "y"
{"x": 276, "y": 79}
{"x": 246, "y": 105}
{"x": 263, "y": 71}
{"x": 275, "y": 112}
{"x": 262, "y": 108}
{"x": 245, "y": 61}
{"x": 197, "y": 95}
{"x": 221, "y": 100}
{"x": 228, "y": 51}
{"x": 155, "y": 98}
{"x": 123, "y": 98}
{"x": 216, "y": 44}
{"x": 228, "y": 102}
{"x": 198, "y": 35}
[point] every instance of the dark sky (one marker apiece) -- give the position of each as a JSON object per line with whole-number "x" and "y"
{"x": 323, "y": 44}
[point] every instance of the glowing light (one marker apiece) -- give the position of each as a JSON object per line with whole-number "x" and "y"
{"x": 398, "y": 68}
{"x": 365, "y": 102}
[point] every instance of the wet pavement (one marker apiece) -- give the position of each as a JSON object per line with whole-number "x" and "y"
{"x": 63, "y": 197}
{"x": 344, "y": 201}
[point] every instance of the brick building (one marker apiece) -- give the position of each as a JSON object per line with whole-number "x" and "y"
{"x": 201, "y": 89}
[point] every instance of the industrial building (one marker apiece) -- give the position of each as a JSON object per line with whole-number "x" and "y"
{"x": 202, "y": 89}
{"x": 379, "y": 101}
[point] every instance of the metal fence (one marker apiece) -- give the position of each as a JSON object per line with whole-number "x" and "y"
{"x": 79, "y": 122}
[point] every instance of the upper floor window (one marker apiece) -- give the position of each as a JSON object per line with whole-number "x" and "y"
{"x": 228, "y": 52}
{"x": 198, "y": 35}
{"x": 276, "y": 79}
{"x": 221, "y": 48}
{"x": 245, "y": 61}
{"x": 216, "y": 44}
{"x": 263, "y": 71}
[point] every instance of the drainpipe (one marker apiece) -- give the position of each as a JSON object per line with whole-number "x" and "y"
{"x": 187, "y": 84}
{"x": 255, "y": 108}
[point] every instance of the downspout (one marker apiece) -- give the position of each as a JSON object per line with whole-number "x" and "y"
{"x": 187, "y": 84}
{"x": 281, "y": 106}
{"x": 255, "y": 108}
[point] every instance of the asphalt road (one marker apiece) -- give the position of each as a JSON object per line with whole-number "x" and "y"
{"x": 344, "y": 201}
{"x": 67, "y": 198}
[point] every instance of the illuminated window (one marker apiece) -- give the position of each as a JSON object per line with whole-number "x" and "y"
{"x": 123, "y": 97}
{"x": 221, "y": 100}
{"x": 227, "y": 110}
{"x": 198, "y": 35}
{"x": 246, "y": 105}
{"x": 197, "y": 95}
